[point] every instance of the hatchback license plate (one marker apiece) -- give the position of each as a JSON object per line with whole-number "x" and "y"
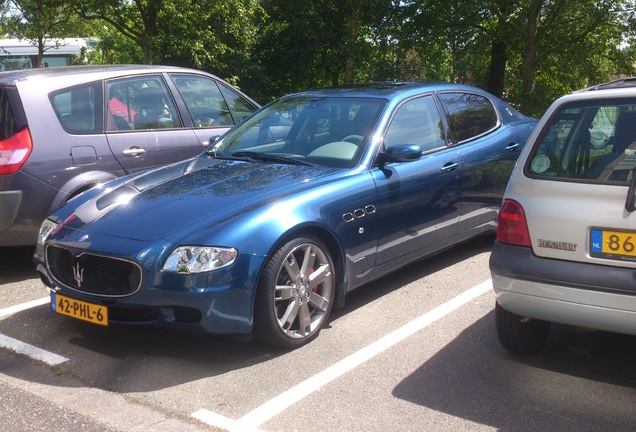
{"x": 79, "y": 309}
{"x": 613, "y": 244}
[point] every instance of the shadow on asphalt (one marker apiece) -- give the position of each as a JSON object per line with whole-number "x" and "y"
{"x": 16, "y": 264}
{"x": 580, "y": 381}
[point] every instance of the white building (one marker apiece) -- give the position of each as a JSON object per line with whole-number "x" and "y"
{"x": 22, "y": 54}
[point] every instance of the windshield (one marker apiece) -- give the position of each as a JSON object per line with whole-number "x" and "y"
{"x": 589, "y": 143}
{"x": 329, "y": 131}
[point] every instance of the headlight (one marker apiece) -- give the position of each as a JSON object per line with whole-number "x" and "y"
{"x": 46, "y": 229}
{"x": 199, "y": 259}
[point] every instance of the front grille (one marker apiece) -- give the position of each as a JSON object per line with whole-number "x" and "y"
{"x": 93, "y": 274}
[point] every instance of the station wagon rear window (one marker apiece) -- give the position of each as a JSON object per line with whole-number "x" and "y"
{"x": 588, "y": 143}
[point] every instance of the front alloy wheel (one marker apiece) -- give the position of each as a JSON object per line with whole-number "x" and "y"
{"x": 295, "y": 294}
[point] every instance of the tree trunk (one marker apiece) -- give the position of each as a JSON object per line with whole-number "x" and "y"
{"x": 497, "y": 72}
{"x": 38, "y": 62}
{"x": 352, "y": 37}
{"x": 530, "y": 58}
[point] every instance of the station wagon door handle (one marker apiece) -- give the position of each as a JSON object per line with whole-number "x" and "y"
{"x": 512, "y": 147}
{"x": 134, "y": 151}
{"x": 450, "y": 166}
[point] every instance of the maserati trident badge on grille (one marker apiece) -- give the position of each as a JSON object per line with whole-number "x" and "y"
{"x": 78, "y": 275}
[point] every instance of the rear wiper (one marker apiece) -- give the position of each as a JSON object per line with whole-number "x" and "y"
{"x": 269, "y": 157}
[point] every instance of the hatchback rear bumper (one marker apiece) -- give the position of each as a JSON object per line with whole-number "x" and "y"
{"x": 580, "y": 294}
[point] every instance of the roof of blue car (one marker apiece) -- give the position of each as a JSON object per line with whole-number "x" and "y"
{"x": 385, "y": 89}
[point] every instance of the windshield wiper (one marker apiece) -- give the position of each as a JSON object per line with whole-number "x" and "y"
{"x": 269, "y": 157}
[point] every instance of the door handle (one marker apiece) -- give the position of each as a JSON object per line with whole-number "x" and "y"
{"x": 134, "y": 151}
{"x": 512, "y": 147}
{"x": 450, "y": 166}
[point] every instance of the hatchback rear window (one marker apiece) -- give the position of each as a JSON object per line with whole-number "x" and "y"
{"x": 588, "y": 143}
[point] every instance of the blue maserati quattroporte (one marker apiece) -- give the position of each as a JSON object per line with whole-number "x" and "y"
{"x": 307, "y": 199}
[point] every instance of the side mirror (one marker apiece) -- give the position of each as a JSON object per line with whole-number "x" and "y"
{"x": 212, "y": 141}
{"x": 401, "y": 153}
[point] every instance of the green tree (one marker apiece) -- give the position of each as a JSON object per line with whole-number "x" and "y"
{"x": 314, "y": 43}
{"x": 525, "y": 50}
{"x": 136, "y": 20}
{"x": 39, "y": 21}
{"x": 546, "y": 29}
{"x": 214, "y": 35}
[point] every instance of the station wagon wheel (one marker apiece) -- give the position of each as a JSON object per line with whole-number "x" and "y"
{"x": 295, "y": 294}
{"x": 520, "y": 335}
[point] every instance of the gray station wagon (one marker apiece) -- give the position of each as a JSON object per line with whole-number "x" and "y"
{"x": 64, "y": 130}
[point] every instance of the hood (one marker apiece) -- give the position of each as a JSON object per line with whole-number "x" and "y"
{"x": 153, "y": 205}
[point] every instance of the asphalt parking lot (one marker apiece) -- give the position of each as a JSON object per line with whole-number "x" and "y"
{"x": 414, "y": 351}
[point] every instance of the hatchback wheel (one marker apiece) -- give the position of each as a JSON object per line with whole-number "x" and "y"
{"x": 295, "y": 293}
{"x": 520, "y": 335}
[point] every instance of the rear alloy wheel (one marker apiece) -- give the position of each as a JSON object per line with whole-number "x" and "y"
{"x": 295, "y": 294}
{"x": 520, "y": 335}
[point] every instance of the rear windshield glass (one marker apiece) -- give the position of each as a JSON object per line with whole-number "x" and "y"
{"x": 588, "y": 143}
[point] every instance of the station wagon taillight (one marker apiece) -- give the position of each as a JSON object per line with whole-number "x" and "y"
{"x": 14, "y": 151}
{"x": 512, "y": 227}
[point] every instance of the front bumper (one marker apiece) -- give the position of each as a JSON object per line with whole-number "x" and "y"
{"x": 217, "y": 302}
{"x": 580, "y": 294}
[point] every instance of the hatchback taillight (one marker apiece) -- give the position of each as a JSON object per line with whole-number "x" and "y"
{"x": 512, "y": 227}
{"x": 14, "y": 151}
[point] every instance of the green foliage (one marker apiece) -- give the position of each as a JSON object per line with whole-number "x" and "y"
{"x": 38, "y": 21}
{"x": 315, "y": 43}
{"x": 527, "y": 51}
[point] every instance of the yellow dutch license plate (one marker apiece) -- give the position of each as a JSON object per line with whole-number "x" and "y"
{"x": 613, "y": 244}
{"x": 79, "y": 309}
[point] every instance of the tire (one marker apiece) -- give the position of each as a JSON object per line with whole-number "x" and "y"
{"x": 520, "y": 335}
{"x": 295, "y": 294}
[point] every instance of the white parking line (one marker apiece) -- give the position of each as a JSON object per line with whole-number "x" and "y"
{"x": 31, "y": 351}
{"x": 24, "y": 306}
{"x": 273, "y": 407}
{"x": 22, "y": 347}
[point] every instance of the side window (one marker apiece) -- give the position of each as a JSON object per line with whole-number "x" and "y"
{"x": 79, "y": 109}
{"x": 239, "y": 107}
{"x": 140, "y": 103}
{"x": 469, "y": 115}
{"x": 204, "y": 101}
{"x": 416, "y": 122}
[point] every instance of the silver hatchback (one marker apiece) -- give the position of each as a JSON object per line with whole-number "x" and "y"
{"x": 566, "y": 242}
{"x": 64, "y": 130}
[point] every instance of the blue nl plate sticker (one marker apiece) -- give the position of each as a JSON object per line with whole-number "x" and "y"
{"x": 596, "y": 242}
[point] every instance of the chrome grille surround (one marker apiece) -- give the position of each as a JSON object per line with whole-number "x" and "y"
{"x": 91, "y": 273}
